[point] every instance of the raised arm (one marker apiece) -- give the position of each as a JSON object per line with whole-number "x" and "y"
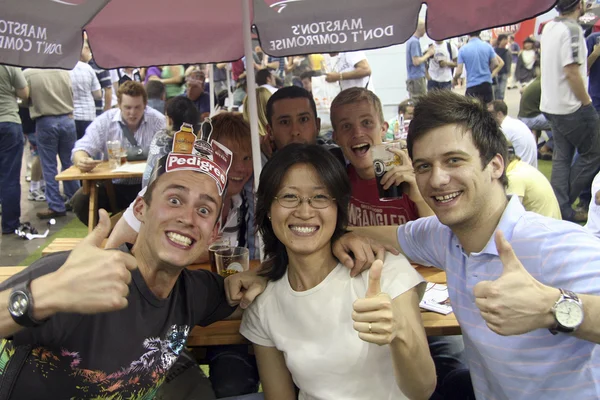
{"x": 90, "y": 281}
{"x": 517, "y": 303}
{"x": 397, "y": 323}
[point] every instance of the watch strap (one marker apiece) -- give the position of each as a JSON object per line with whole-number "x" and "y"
{"x": 26, "y": 320}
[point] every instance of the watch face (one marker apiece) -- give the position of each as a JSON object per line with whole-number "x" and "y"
{"x": 569, "y": 313}
{"x": 18, "y": 303}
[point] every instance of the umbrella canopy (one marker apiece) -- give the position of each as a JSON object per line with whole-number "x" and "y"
{"x": 288, "y": 27}
{"x": 48, "y": 33}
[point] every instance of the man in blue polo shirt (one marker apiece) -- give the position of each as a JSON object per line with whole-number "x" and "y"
{"x": 525, "y": 288}
{"x": 416, "y": 84}
{"x": 482, "y": 64}
{"x": 593, "y": 48}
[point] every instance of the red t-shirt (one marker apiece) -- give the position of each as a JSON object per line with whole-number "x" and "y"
{"x": 366, "y": 209}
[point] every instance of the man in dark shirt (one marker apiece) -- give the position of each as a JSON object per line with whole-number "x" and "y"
{"x": 502, "y": 77}
{"x": 110, "y": 323}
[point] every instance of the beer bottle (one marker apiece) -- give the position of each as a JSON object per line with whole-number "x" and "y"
{"x": 183, "y": 140}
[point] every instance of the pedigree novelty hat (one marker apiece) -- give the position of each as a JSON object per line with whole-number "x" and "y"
{"x": 206, "y": 156}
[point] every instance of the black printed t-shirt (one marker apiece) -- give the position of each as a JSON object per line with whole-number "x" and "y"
{"x": 118, "y": 355}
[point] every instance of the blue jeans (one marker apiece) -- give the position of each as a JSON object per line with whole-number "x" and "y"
{"x": 56, "y": 135}
{"x": 435, "y": 85}
{"x": 578, "y": 131}
{"x": 11, "y": 154}
{"x": 500, "y": 86}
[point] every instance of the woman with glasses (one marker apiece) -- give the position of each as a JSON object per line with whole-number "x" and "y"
{"x": 315, "y": 327}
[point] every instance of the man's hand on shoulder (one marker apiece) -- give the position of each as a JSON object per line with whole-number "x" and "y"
{"x": 92, "y": 280}
{"x": 358, "y": 252}
{"x": 242, "y": 288}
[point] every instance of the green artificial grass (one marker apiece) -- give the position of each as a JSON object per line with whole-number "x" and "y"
{"x": 545, "y": 167}
{"x": 74, "y": 229}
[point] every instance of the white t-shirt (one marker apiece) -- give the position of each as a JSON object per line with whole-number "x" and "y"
{"x": 522, "y": 139}
{"x": 557, "y": 96}
{"x": 313, "y": 329}
{"x": 438, "y": 73}
{"x": 115, "y": 76}
{"x": 345, "y": 62}
{"x": 593, "y": 222}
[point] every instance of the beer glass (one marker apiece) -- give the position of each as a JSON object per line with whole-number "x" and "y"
{"x": 232, "y": 260}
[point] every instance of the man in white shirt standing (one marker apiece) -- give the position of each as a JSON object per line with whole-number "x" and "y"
{"x": 350, "y": 69}
{"x": 516, "y": 131}
{"x": 86, "y": 89}
{"x": 441, "y": 65}
{"x": 568, "y": 106}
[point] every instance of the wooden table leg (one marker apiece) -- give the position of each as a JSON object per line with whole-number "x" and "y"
{"x": 112, "y": 197}
{"x": 93, "y": 206}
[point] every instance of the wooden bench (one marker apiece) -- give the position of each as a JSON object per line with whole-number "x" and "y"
{"x": 7, "y": 272}
{"x": 63, "y": 244}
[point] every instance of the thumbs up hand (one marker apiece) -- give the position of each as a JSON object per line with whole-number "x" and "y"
{"x": 374, "y": 316}
{"x": 93, "y": 280}
{"x": 516, "y": 302}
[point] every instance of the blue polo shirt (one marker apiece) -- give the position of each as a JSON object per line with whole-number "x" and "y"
{"x": 477, "y": 55}
{"x": 594, "y": 83}
{"x": 413, "y": 49}
{"x": 535, "y": 365}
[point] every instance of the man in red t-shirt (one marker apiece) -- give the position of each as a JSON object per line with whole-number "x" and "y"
{"x": 358, "y": 123}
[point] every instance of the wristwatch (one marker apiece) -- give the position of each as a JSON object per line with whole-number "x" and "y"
{"x": 20, "y": 305}
{"x": 568, "y": 313}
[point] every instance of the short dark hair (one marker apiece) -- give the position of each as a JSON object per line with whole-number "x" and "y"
{"x": 566, "y": 6}
{"x": 262, "y": 76}
{"x": 289, "y": 92}
{"x": 439, "y": 108}
{"x": 155, "y": 89}
{"x": 475, "y": 34}
{"x": 181, "y": 109}
{"x": 333, "y": 176}
{"x": 501, "y": 37}
{"x": 308, "y": 74}
{"x": 402, "y": 107}
{"x": 499, "y": 106}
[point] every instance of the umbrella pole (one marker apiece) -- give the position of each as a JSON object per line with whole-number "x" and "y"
{"x": 211, "y": 85}
{"x": 229, "y": 94}
{"x": 251, "y": 99}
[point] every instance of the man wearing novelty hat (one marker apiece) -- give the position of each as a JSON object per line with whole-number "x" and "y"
{"x": 93, "y": 323}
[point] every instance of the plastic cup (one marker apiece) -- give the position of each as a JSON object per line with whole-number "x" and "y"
{"x": 114, "y": 153}
{"x": 214, "y": 247}
{"x": 232, "y": 260}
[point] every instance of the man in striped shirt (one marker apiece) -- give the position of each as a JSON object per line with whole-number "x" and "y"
{"x": 132, "y": 114}
{"x": 86, "y": 89}
{"x": 525, "y": 288}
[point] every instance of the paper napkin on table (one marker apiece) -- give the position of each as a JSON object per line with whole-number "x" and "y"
{"x": 436, "y": 298}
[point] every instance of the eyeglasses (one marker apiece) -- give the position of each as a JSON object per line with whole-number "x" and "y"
{"x": 318, "y": 201}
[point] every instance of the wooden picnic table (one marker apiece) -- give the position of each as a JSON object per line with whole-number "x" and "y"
{"x": 227, "y": 332}
{"x": 102, "y": 172}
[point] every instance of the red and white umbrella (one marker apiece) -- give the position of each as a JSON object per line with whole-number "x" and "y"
{"x": 48, "y": 33}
